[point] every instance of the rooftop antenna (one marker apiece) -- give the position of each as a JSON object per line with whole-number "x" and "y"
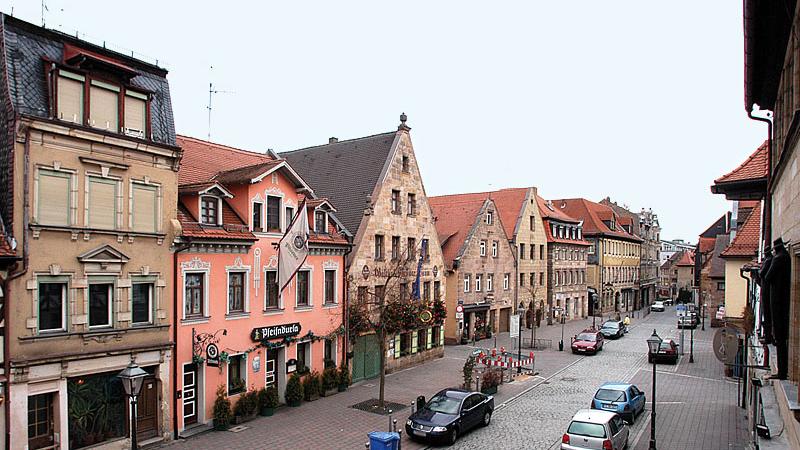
{"x": 211, "y": 92}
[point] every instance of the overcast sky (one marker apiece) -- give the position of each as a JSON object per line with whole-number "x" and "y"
{"x": 640, "y": 101}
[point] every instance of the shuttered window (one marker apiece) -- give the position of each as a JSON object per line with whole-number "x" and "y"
{"x": 102, "y": 203}
{"x": 145, "y": 216}
{"x": 104, "y": 106}
{"x": 135, "y": 114}
{"x": 53, "y": 198}
{"x": 70, "y": 97}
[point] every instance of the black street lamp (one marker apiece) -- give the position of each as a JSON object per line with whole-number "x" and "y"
{"x": 703, "y": 318}
{"x": 132, "y": 378}
{"x": 691, "y": 343}
{"x": 653, "y": 345}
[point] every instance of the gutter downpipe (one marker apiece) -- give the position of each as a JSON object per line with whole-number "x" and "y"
{"x": 345, "y": 316}
{"x": 175, "y": 336}
{"x": 766, "y": 223}
{"x": 745, "y": 365}
{"x": 25, "y": 258}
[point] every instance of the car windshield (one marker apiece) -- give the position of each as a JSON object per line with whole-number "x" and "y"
{"x": 610, "y": 395}
{"x": 666, "y": 345}
{"x": 443, "y": 404}
{"x": 611, "y": 325}
{"x": 658, "y": 304}
{"x": 594, "y": 430}
{"x": 586, "y": 337}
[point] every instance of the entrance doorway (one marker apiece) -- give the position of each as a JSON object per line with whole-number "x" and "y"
{"x": 40, "y": 421}
{"x": 366, "y": 357}
{"x": 190, "y": 395}
{"x": 505, "y": 319}
{"x": 147, "y": 409}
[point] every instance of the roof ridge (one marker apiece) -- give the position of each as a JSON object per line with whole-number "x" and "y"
{"x": 337, "y": 142}
{"x": 481, "y": 192}
{"x": 228, "y": 147}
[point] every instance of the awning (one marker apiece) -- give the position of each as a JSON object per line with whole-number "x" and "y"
{"x": 476, "y": 307}
{"x": 81, "y": 57}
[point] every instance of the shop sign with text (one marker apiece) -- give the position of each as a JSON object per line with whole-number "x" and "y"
{"x": 275, "y": 332}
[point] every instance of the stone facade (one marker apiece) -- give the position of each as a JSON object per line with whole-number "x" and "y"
{"x": 532, "y": 260}
{"x": 618, "y": 270}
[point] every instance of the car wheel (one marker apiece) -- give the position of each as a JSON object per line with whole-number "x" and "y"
{"x": 487, "y": 418}
{"x": 453, "y": 436}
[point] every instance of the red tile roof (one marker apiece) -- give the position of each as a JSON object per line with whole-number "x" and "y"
{"x": 246, "y": 173}
{"x": 707, "y": 244}
{"x": 753, "y": 168}
{"x": 202, "y": 160}
{"x": 687, "y": 259}
{"x": 233, "y": 226}
{"x": 549, "y": 211}
{"x": 508, "y": 202}
{"x": 745, "y": 244}
{"x": 455, "y": 215}
{"x": 593, "y": 214}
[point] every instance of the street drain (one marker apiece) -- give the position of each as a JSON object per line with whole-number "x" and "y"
{"x": 237, "y": 428}
{"x": 569, "y": 379}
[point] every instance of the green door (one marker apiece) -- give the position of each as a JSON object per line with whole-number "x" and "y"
{"x": 366, "y": 358}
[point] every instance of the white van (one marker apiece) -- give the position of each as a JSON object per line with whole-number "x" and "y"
{"x": 596, "y": 430}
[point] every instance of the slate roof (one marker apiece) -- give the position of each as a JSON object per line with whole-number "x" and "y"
{"x": 753, "y": 168}
{"x": 593, "y": 215}
{"x": 346, "y": 172}
{"x": 717, "y": 268}
{"x": 455, "y": 215}
{"x": 745, "y": 244}
{"x": 202, "y": 160}
{"x": 720, "y": 226}
{"x": 27, "y": 47}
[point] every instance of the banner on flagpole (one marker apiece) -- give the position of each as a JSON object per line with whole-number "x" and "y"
{"x": 293, "y": 248}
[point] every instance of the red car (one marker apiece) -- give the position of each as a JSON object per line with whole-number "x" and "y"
{"x": 668, "y": 352}
{"x": 588, "y": 341}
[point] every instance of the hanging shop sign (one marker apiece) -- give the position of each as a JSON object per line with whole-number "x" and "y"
{"x": 398, "y": 272}
{"x": 212, "y": 355}
{"x": 275, "y": 332}
{"x": 256, "y": 364}
{"x": 291, "y": 365}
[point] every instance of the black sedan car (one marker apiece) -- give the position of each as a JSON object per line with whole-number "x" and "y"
{"x": 449, "y": 414}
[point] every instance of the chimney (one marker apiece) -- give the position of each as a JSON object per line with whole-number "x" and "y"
{"x": 333, "y": 140}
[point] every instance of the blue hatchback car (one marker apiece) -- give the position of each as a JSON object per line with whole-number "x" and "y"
{"x": 624, "y": 399}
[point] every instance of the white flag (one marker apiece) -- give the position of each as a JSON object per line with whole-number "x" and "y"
{"x": 293, "y": 248}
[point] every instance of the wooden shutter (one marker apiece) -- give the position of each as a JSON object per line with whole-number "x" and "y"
{"x": 429, "y": 341}
{"x": 397, "y": 346}
{"x": 135, "y": 115}
{"x": 53, "y": 198}
{"x": 414, "y": 340}
{"x": 104, "y": 106}
{"x": 144, "y": 208}
{"x": 441, "y": 335}
{"x": 70, "y": 98}
{"x": 102, "y": 203}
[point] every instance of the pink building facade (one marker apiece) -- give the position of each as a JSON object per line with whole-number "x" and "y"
{"x": 233, "y": 328}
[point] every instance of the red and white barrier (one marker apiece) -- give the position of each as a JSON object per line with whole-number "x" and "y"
{"x": 505, "y": 362}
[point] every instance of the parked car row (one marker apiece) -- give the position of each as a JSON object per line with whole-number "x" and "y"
{"x": 590, "y": 341}
{"x": 603, "y": 426}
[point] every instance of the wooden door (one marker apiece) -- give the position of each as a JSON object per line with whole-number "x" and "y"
{"x": 189, "y": 394}
{"x": 40, "y": 421}
{"x": 147, "y": 409}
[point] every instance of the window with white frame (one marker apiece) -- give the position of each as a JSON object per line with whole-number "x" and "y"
{"x": 258, "y": 216}
{"x": 330, "y": 287}
{"x": 303, "y": 355}
{"x": 289, "y": 213}
{"x": 303, "y": 281}
{"x": 144, "y": 199}
{"x": 101, "y": 299}
{"x": 52, "y": 305}
{"x": 237, "y": 374}
{"x": 274, "y": 214}
{"x": 320, "y": 221}
{"x": 236, "y": 292}
{"x": 102, "y": 203}
{"x": 506, "y": 281}
{"x": 467, "y": 282}
{"x": 478, "y": 280}
{"x": 194, "y": 294}
{"x": 483, "y": 248}
{"x": 53, "y": 197}
{"x": 489, "y": 217}
{"x": 272, "y": 298}
{"x": 210, "y": 213}
{"x": 489, "y": 282}
{"x": 494, "y": 249}
{"x": 142, "y": 303}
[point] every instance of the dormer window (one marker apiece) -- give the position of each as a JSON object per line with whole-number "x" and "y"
{"x": 70, "y": 97}
{"x": 210, "y": 210}
{"x": 104, "y": 106}
{"x": 320, "y": 221}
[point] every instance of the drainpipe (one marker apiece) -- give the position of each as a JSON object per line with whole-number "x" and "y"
{"x": 26, "y": 206}
{"x": 745, "y": 365}
{"x": 766, "y": 224}
{"x": 345, "y": 306}
{"x": 175, "y": 336}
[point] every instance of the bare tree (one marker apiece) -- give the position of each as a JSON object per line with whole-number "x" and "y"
{"x": 536, "y": 310}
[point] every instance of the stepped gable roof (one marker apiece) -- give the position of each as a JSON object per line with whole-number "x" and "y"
{"x": 346, "y": 172}
{"x": 233, "y": 227}
{"x": 753, "y": 168}
{"x": 455, "y": 215}
{"x": 203, "y": 160}
{"x": 717, "y": 269}
{"x": 746, "y": 242}
{"x": 593, "y": 214}
{"x": 686, "y": 259}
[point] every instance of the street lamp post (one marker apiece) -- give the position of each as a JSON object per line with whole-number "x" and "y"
{"x": 132, "y": 378}
{"x": 653, "y": 345}
{"x": 703, "y": 318}
{"x": 561, "y": 345}
{"x": 691, "y": 344}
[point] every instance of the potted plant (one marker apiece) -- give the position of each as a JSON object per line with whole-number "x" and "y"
{"x": 294, "y": 391}
{"x": 343, "y": 377}
{"x": 246, "y": 407}
{"x": 488, "y": 331}
{"x": 489, "y": 381}
{"x": 312, "y": 384}
{"x": 268, "y": 400}
{"x": 222, "y": 410}
{"x": 330, "y": 381}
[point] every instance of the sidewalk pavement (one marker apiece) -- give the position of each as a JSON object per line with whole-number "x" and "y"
{"x": 331, "y": 423}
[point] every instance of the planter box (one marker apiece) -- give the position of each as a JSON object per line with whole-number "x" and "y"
{"x": 242, "y": 419}
{"x": 312, "y": 398}
{"x": 342, "y": 388}
{"x": 221, "y": 426}
{"x": 294, "y": 404}
{"x": 489, "y": 390}
{"x": 266, "y": 412}
{"x": 329, "y": 392}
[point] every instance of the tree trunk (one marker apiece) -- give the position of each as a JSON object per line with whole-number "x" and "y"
{"x": 382, "y": 348}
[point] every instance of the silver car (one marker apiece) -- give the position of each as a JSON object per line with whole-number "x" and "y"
{"x": 596, "y": 430}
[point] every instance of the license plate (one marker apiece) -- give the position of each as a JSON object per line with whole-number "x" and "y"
{"x": 608, "y": 406}
{"x": 420, "y": 433}
{"x": 581, "y": 349}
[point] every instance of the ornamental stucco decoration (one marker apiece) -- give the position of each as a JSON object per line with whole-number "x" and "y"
{"x": 195, "y": 263}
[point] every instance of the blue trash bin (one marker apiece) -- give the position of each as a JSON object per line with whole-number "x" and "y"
{"x": 384, "y": 440}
